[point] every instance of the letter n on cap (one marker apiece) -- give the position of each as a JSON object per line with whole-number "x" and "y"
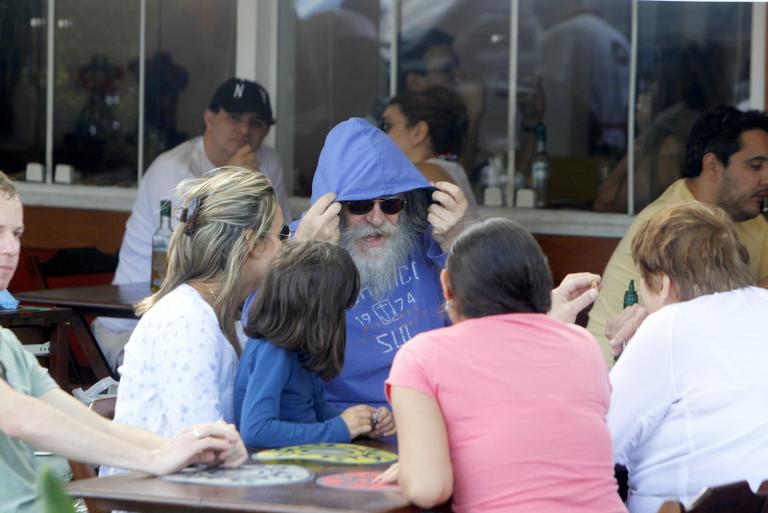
{"x": 238, "y": 91}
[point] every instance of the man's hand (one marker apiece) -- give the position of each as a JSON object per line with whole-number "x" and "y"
{"x": 383, "y": 423}
{"x": 321, "y": 221}
{"x": 575, "y": 293}
{"x": 245, "y": 157}
{"x": 447, "y": 215}
{"x": 622, "y": 328}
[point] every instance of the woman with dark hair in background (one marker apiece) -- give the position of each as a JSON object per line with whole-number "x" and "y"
{"x": 505, "y": 410}
{"x": 430, "y": 127}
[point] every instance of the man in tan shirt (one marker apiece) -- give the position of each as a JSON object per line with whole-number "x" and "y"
{"x": 726, "y": 165}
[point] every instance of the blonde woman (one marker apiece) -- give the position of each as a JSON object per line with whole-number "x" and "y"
{"x": 181, "y": 359}
{"x": 36, "y": 414}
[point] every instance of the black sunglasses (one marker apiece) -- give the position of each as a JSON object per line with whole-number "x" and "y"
{"x": 285, "y": 232}
{"x": 389, "y": 206}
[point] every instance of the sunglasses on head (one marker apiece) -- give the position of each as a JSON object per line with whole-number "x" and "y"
{"x": 389, "y": 206}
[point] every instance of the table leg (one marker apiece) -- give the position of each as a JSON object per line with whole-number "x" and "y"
{"x": 90, "y": 348}
{"x": 59, "y": 359}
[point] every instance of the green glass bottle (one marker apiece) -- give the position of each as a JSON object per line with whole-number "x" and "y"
{"x": 160, "y": 240}
{"x": 630, "y": 296}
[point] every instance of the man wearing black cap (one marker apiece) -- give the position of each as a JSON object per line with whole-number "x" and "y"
{"x": 237, "y": 120}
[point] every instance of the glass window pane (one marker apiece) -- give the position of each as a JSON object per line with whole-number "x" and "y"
{"x": 22, "y": 84}
{"x": 95, "y": 91}
{"x": 692, "y": 56}
{"x": 340, "y": 70}
{"x": 577, "y": 55}
{"x": 190, "y": 51}
{"x": 462, "y": 45}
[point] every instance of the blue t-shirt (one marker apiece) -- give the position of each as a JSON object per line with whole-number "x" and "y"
{"x": 377, "y": 328}
{"x": 279, "y": 402}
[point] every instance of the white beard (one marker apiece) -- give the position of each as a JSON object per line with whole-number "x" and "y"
{"x": 378, "y": 266}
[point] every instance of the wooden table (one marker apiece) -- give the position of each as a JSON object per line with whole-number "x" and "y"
{"x": 55, "y": 321}
{"x": 101, "y": 300}
{"x": 146, "y": 494}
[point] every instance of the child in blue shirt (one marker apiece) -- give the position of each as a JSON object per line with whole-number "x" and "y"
{"x": 297, "y": 335}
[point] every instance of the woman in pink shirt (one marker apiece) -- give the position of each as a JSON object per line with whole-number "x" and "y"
{"x": 505, "y": 410}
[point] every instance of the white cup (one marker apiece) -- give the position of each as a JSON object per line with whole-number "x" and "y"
{"x": 35, "y": 172}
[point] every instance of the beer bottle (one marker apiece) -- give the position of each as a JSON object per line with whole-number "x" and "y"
{"x": 160, "y": 240}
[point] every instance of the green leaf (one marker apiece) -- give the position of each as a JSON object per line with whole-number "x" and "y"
{"x": 54, "y": 499}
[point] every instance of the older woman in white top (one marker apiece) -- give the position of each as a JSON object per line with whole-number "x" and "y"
{"x": 688, "y": 408}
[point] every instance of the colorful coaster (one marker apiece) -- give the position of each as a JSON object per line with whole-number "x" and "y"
{"x": 361, "y": 481}
{"x": 247, "y": 475}
{"x": 345, "y": 454}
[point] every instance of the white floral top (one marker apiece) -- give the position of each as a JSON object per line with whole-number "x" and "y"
{"x": 179, "y": 368}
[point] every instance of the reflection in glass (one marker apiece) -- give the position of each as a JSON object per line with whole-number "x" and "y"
{"x": 691, "y": 58}
{"x": 95, "y": 97}
{"x": 579, "y": 53}
{"x": 190, "y": 51}
{"x": 22, "y": 84}
{"x": 462, "y": 45}
{"x": 339, "y": 72}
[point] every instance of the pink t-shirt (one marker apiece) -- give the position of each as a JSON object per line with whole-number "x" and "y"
{"x": 524, "y": 399}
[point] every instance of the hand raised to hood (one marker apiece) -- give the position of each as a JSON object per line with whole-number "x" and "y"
{"x": 447, "y": 214}
{"x": 321, "y": 221}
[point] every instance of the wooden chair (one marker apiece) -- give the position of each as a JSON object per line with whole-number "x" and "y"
{"x": 104, "y": 406}
{"x": 731, "y": 498}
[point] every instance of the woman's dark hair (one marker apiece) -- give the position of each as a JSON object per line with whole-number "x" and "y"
{"x": 442, "y": 110}
{"x": 497, "y": 267}
{"x": 302, "y": 304}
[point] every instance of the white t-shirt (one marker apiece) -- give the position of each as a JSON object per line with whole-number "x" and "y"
{"x": 187, "y": 160}
{"x": 689, "y": 407}
{"x": 460, "y": 177}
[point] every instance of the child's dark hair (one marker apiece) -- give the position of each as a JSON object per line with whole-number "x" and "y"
{"x": 303, "y": 301}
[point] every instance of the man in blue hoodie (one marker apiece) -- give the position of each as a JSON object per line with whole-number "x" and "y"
{"x": 370, "y": 198}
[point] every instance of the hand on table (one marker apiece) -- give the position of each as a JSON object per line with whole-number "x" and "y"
{"x": 447, "y": 215}
{"x": 358, "y": 419}
{"x": 622, "y": 328}
{"x": 214, "y": 443}
{"x": 576, "y": 292}
{"x": 245, "y": 157}
{"x": 383, "y": 423}
{"x": 321, "y": 221}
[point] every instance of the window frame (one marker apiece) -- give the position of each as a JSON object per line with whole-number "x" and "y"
{"x": 257, "y": 57}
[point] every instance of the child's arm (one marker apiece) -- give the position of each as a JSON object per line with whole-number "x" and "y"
{"x": 260, "y": 424}
{"x": 323, "y": 408}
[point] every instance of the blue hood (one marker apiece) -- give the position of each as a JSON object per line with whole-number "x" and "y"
{"x": 359, "y": 161}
